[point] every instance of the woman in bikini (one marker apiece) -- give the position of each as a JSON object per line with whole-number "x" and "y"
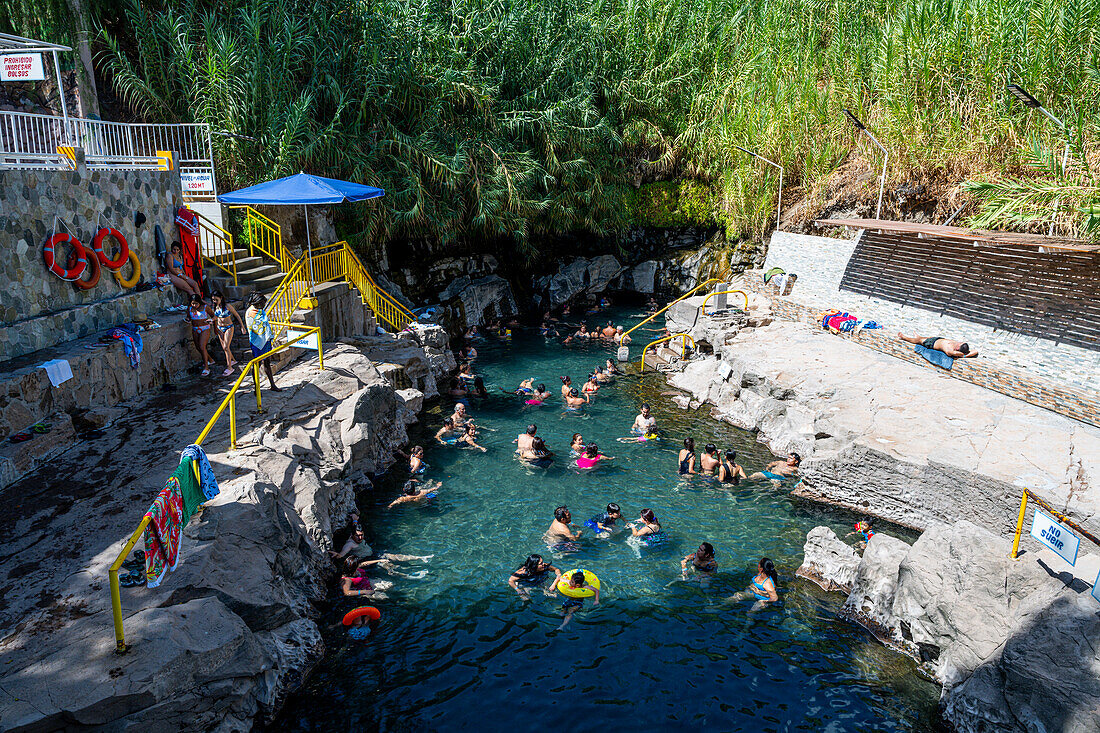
{"x": 417, "y": 466}
{"x": 201, "y": 318}
{"x": 173, "y": 264}
{"x": 224, "y": 314}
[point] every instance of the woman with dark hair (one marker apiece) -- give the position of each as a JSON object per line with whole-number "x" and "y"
{"x": 201, "y": 318}
{"x": 538, "y": 454}
{"x": 730, "y": 472}
{"x": 479, "y": 388}
{"x": 710, "y": 461}
{"x": 646, "y": 525}
{"x": 764, "y": 585}
{"x": 224, "y": 313}
{"x": 702, "y": 560}
{"x": 686, "y": 460}
{"x": 417, "y": 465}
{"x": 577, "y": 446}
{"x": 532, "y": 573}
{"x": 611, "y": 369}
{"x": 413, "y": 493}
{"x": 173, "y": 265}
{"x": 566, "y": 386}
{"x": 260, "y": 333}
{"x": 590, "y": 387}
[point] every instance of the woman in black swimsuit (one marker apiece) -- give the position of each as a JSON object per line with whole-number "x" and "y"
{"x": 687, "y": 458}
{"x": 532, "y": 573}
{"x": 730, "y": 472}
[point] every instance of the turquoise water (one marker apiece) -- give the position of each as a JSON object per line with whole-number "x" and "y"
{"x": 458, "y": 648}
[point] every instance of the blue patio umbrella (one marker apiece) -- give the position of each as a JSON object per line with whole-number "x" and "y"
{"x": 302, "y": 189}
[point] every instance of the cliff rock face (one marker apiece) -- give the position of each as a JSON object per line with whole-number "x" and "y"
{"x": 1012, "y": 641}
{"x": 579, "y": 277}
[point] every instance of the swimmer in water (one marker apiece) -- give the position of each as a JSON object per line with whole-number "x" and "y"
{"x": 601, "y": 376}
{"x": 763, "y": 588}
{"x": 465, "y": 373}
{"x": 730, "y": 472}
{"x": 686, "y": 458}
{"x": 460, "y": 418}
{"x": 527, "y": 386}
{"x": 605, "y": 523}
{"x": 863, "y": 527}
{"x": 577, "y": 445}
{"x": 566, "y": 385}
{"x": 590, "y": 387}
{"x": 571, "y": 605}
{"x": 561, "y": 528}
{"x": 709, "y": 460}
{"x": 469, "y": 437}
{"x": 538, "y": 454}
{"x": 447, "y": 434}
{"x": 611, "y": 369}
{"x": 523, "y": 442}
{"x": 645, "y": 423}
{"x": 540, "y": 395}
{"x": 702, "y": 560}
{"x": 574, "y": 401}
{"x": 479, "y": 388}
{"x": 592, "y": 457}
{"x": 779, "y": 470}
{"x": 582, "y": 332}
{"x": 532, "y": 573}
{"x": 416, "y": 460}
{"x": 646, "y": 525}
{"x": 413, "y": 494}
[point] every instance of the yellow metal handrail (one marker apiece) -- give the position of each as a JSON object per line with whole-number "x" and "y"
{"x": 384, "y": 305}
{"x": 725, "y": 292}
{"x": 1051, "y": 510}
{"x": 266, "y": 237}
{"x": 688, "y": 294}
{"x": 683, "y": 351}
{"x": 230, "y": 401}
{"x": 284, "y": 301}
{"x": 216, "y": 246}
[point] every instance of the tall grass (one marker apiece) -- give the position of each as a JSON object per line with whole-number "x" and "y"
{"x": 511, "y": 120}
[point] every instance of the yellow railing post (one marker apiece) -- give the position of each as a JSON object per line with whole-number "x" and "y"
{"x": 706, "y": 300}
{"x": 1019, "y": 526}
{"x": 256, "y": 380}
{"x": 116, "y": 596}
{"x": 683, "y": 351}
{"x": 320, "y": 353}
{"x": 233, "y": 419}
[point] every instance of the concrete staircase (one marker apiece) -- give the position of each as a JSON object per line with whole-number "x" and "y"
{"x": 253, "y": 273}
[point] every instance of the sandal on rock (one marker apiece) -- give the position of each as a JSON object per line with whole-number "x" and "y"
{"x": 19, "y": 437}
{"x": 41, "y": 428}
{"x": 132, "y": 579}
{"x": 227, "y": 372}
{"x": 205, "y": 372}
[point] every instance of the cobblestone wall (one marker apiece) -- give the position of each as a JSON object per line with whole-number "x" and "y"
{"x": 1038, "y": 389}
{"x": 38, "y": 309}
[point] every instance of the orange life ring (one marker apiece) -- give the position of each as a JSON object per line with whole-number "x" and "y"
{"x": 369, "y": 611}
{"x": 74, "y": 272}
{"x": 133, "y": 277}
{"x": 123, "y": 253}
{"x": 91, "y": 282}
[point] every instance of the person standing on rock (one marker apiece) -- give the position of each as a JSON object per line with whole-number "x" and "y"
{"x": 779, "y": 470}
{"x": 260, "y": 333}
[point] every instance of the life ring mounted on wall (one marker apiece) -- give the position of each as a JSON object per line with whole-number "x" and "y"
{"x": 123, "y": 252}
{"x": 75, "y": 269}
{"x": 136, "y": 274}
{"x": 91, "y": 282}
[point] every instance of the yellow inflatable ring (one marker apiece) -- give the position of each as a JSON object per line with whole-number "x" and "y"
{"x": 133, "y": 258}
{"x": 589, "y": 578}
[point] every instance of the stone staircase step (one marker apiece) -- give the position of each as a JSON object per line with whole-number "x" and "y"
{"x": 257, "y": 272}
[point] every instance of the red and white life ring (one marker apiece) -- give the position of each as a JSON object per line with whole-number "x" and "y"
{"x": 370, "y": 612}
{"x": 123, "y": 253}
{"x": 75, "y": 270}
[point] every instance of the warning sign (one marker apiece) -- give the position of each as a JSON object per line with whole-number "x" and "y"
{"x": 21, "y": 67}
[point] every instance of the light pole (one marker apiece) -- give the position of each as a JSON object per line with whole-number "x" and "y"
{"x": 885, "y": 157}
{"x": 779, "y": 197}
{"x": 1032, "y": 103}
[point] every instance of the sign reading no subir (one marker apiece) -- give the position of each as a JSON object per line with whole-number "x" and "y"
{"x": 1056, "y": 536}
{"x": 21, "y": 67}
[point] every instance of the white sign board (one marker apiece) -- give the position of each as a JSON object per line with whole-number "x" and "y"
{"x": 309, "y": 342}
{"x": 194, "y": 181}
{"x": 1055, "y": 535}
{"x": 21, "y": 67}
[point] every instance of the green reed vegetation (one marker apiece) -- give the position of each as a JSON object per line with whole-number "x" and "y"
{"x": 513, "y": 120}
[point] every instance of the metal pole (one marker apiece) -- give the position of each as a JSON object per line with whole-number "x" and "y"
{"x": 1058, "y": 201}
{"x": 61, "y": 93}
{"x": 779, "y": 197}
{"x": 1019, "y": 525}
{"x": 309, "y": 250}
{"x": 882, "y": 178}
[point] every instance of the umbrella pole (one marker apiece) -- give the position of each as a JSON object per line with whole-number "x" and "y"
{"x": 309, "y": 252}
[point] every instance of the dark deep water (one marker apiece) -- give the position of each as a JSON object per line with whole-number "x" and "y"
{"x": 459, "y": 649}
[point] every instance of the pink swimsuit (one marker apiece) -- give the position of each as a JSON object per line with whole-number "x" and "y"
{"x": 586, "y": 462}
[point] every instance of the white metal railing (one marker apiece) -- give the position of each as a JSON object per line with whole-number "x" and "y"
{"x": 32, "y": 141}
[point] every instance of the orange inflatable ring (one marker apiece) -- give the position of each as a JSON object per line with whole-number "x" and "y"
{"x": 123, "y": 252}
{"x": 369, "y": 611}
{"x": 72, "y": 273}
{"x": 134, "y": 277}
{"x": 91, "y": 282}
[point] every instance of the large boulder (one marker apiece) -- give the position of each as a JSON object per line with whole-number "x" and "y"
{"x": 828, "y": 560}
{"x": 871, "y": 600}
{"x": 475, "y": 301}
{"x": 580, "y": 277}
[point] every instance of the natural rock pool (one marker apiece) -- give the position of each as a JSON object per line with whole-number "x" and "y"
{"x": 459, "y": 649}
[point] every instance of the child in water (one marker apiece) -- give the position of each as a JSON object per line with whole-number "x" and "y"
{"x": 863, "y": 527}
{"x": 591, "y": 457}
{"x": 571, "y": 605}
{"x": 604, "y": 524}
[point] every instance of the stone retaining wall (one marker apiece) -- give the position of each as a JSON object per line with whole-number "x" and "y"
{"x": 38, "y": 309}
{"x": 1038, "y": 390}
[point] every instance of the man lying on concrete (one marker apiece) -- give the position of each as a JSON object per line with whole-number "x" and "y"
{"x": 954, "y": 349}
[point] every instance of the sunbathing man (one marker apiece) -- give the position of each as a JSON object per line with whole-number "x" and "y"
{"x": 779, "y": 470}
{"x": 954, "y": 349}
